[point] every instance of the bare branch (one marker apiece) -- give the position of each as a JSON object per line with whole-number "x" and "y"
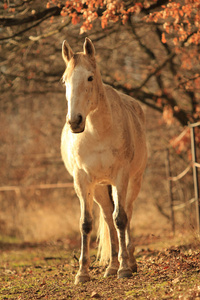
{"x": 160, "y": 67}
{"x": 23, "y": 31}
{"x": 45, "y": 35}
{"x": 47, "y": 13}
{"x": 142, "y": 45}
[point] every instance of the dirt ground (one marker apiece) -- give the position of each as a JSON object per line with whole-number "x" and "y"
{"x": 167, "y": 269}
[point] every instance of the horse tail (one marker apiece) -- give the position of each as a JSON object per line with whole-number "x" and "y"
{"x": 103, "y": 254}
{"x": 103, "y": 236}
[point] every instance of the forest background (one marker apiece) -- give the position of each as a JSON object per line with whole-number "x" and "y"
{"x": 147, "y": 49}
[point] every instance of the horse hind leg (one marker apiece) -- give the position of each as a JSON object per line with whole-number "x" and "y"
{"x": 108, "y": 242}
{"x": 131, "y": 249}
{"x": 121, "y": 223}
{"x": 132, "y": 193}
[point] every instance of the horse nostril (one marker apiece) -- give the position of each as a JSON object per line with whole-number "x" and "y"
{"x": 75, "y": 122}
{"x": 79, "y": 119}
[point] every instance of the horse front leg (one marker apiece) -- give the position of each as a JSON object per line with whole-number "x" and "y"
{"x": 121, "y": 222}
{"x": 85, "y": 194}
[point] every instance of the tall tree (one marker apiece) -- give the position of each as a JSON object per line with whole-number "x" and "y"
{"x": 164, "y": 34}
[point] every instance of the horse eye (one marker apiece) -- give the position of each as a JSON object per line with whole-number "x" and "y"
{"x": 90, "y": 78}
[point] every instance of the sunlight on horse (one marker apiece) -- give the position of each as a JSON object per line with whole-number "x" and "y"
{"x": 103, "y": 147}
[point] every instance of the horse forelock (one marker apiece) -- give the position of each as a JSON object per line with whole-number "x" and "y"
{"x": 79, "y": 59}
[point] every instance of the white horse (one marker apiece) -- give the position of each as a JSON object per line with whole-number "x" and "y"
{"x": 103, "y": 147}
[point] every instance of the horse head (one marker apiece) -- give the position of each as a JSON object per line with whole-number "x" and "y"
{"x": 80, "y": 80}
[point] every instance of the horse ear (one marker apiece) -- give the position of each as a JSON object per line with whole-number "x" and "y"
{"x": 67, "y": 52}
{"x": 88, "y": 48}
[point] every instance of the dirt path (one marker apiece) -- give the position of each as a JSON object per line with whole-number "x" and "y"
{"x": 47, "y": 271}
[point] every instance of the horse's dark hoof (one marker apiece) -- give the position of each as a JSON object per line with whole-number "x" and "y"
{"x": 110, "y": 271}
{"x": 134, "y": 268}
{"x": 124, "y": 273}
{"x": 81, "y": 278}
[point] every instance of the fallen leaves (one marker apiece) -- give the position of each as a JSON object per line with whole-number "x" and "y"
{"x": 162, "y": 274}
{"x": 95, "y": 295}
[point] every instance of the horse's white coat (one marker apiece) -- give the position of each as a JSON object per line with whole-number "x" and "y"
{"x": 103, "y": 143}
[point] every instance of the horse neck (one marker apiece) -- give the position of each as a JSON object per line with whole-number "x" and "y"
{"x": 100, "y": 120}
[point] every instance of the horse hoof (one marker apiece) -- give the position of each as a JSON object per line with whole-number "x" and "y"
{"x": 110, "y": 271}
{"x": 81, "y": 278}
{"x": 134, "y": 268}
{"x": 124, "y": 273}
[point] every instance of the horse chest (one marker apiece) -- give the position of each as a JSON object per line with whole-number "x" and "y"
{"x": 97, "y": 161}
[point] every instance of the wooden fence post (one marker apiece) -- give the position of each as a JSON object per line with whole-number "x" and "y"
{"x": 195, "y": 174}
{"x": 169, "y": 175}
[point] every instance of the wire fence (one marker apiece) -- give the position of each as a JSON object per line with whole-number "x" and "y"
{"x": 194, "y": 165}
{"x": 17, "y": 188}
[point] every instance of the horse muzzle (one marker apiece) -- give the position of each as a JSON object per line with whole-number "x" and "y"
{"x": 77, "y": 125}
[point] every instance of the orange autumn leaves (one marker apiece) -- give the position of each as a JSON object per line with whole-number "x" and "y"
{"x": 184, "y": 19}
{"x": 112, "y": 11}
